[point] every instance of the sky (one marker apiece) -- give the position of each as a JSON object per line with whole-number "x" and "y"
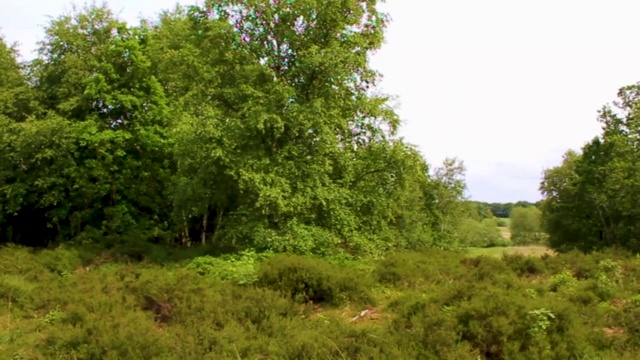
{"x": 506, "y": 86}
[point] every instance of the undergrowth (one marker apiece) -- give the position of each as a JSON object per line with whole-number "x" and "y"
{"x": 73, "y": 303}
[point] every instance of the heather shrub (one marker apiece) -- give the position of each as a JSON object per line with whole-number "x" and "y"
{"x": 427, "y": 304}
{"x": 416, "y": 269}
{"x": 524, "y": 265}
{"x": 308, "y": 279}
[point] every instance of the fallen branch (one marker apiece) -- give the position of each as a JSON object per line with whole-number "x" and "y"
{"x": 362, "y": 314}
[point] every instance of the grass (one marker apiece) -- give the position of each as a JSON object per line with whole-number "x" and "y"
{"x": 504, "y": 231}
{"x": 507, "y": 220}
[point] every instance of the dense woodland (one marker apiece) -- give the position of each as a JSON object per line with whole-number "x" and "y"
{"x": 251, "y": 126}
{"x": 227, "y": 181}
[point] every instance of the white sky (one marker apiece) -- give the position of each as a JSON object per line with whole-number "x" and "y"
{"x": 507, "y": 86}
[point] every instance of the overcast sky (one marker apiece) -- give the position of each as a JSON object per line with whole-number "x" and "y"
{"x": 507, "y": 86}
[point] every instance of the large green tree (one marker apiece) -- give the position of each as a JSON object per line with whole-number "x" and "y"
{"x": 591, "y": 199}
{"x": 525, "y": 225}
{"x": 274, "y": 103}
{"x": 94, "y": 163}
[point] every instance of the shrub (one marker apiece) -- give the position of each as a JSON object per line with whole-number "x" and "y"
{"x": 241, "y": 269}
{"x": 308, "y": 279}
{"x": 415, "y": 269}
{"x": 564, "y": 280}
{"x": 489, "y": 269}
{"x": 431, "y": 328}
{"x": 524, "y": 265}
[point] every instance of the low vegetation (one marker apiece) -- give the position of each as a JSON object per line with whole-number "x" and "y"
{"x": 72, "y": 304}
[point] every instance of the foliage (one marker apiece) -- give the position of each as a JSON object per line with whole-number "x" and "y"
{"x": 525, "y": 265}
{"x": 313, "y": 280}
{"x": 502, "y": 210}
{"x": 590, "y": 199}
{"x": 16, "y": 97}
{"x": 427, "y": 304}
{"x": 525, "y": 226}
{"x": 416, "y": 269}
{"x": 240, "y": 268}
{"x": 449, "y": 194}
{"x": 483, "y": 233}
{"x": 248, "y": 125}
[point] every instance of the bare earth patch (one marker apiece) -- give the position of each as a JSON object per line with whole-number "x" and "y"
{"x": 613, "y": 331}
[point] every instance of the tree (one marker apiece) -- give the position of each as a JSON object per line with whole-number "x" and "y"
{"x": 525, "y": 226}
{"x": 590, "y": 200}
{"x": 448, "y": 187}
{"x": 16, "y": 97}
{"x": 94, "y": 163}
{"x": 278, "y": 136}
{"x": 483, "y": 233}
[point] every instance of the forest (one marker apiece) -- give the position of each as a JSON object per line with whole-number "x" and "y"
{"x": 226, "y": 181}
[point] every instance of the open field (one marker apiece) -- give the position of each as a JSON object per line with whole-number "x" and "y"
{"x": 57, "y": 304}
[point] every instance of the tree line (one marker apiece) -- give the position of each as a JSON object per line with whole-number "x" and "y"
{"x": 240, "y": 123}
{"x": 258, "y": 124}
{"x": 503, "y": 210}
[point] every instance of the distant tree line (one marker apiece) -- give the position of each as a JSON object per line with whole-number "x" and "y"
{"x": 503, "y": 210}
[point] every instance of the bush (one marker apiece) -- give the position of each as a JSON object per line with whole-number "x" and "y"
{"x": 308, "y": 279}
{"x": 241, "y": 269}
{"x": 524, "y": 265}
{"x": 415, "y": 269}
{"x": 565, "y": 280}
{"x": 431, "y": 328}
{"x": 488, "y": 322}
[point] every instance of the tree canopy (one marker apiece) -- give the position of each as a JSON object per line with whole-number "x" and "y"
{"x": 240, "y": 123}
{"x": 591, "y": 198}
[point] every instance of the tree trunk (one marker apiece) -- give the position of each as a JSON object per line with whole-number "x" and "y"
{"x": 203, "y": 233}
{"x": 185, "y": 232}
{"x": 218, "y": 220}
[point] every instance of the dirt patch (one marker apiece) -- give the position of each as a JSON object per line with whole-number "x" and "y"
{"x": 619, "y": 303}
{"x": 613, "y": 331}
{"x": 162, "y": 310}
